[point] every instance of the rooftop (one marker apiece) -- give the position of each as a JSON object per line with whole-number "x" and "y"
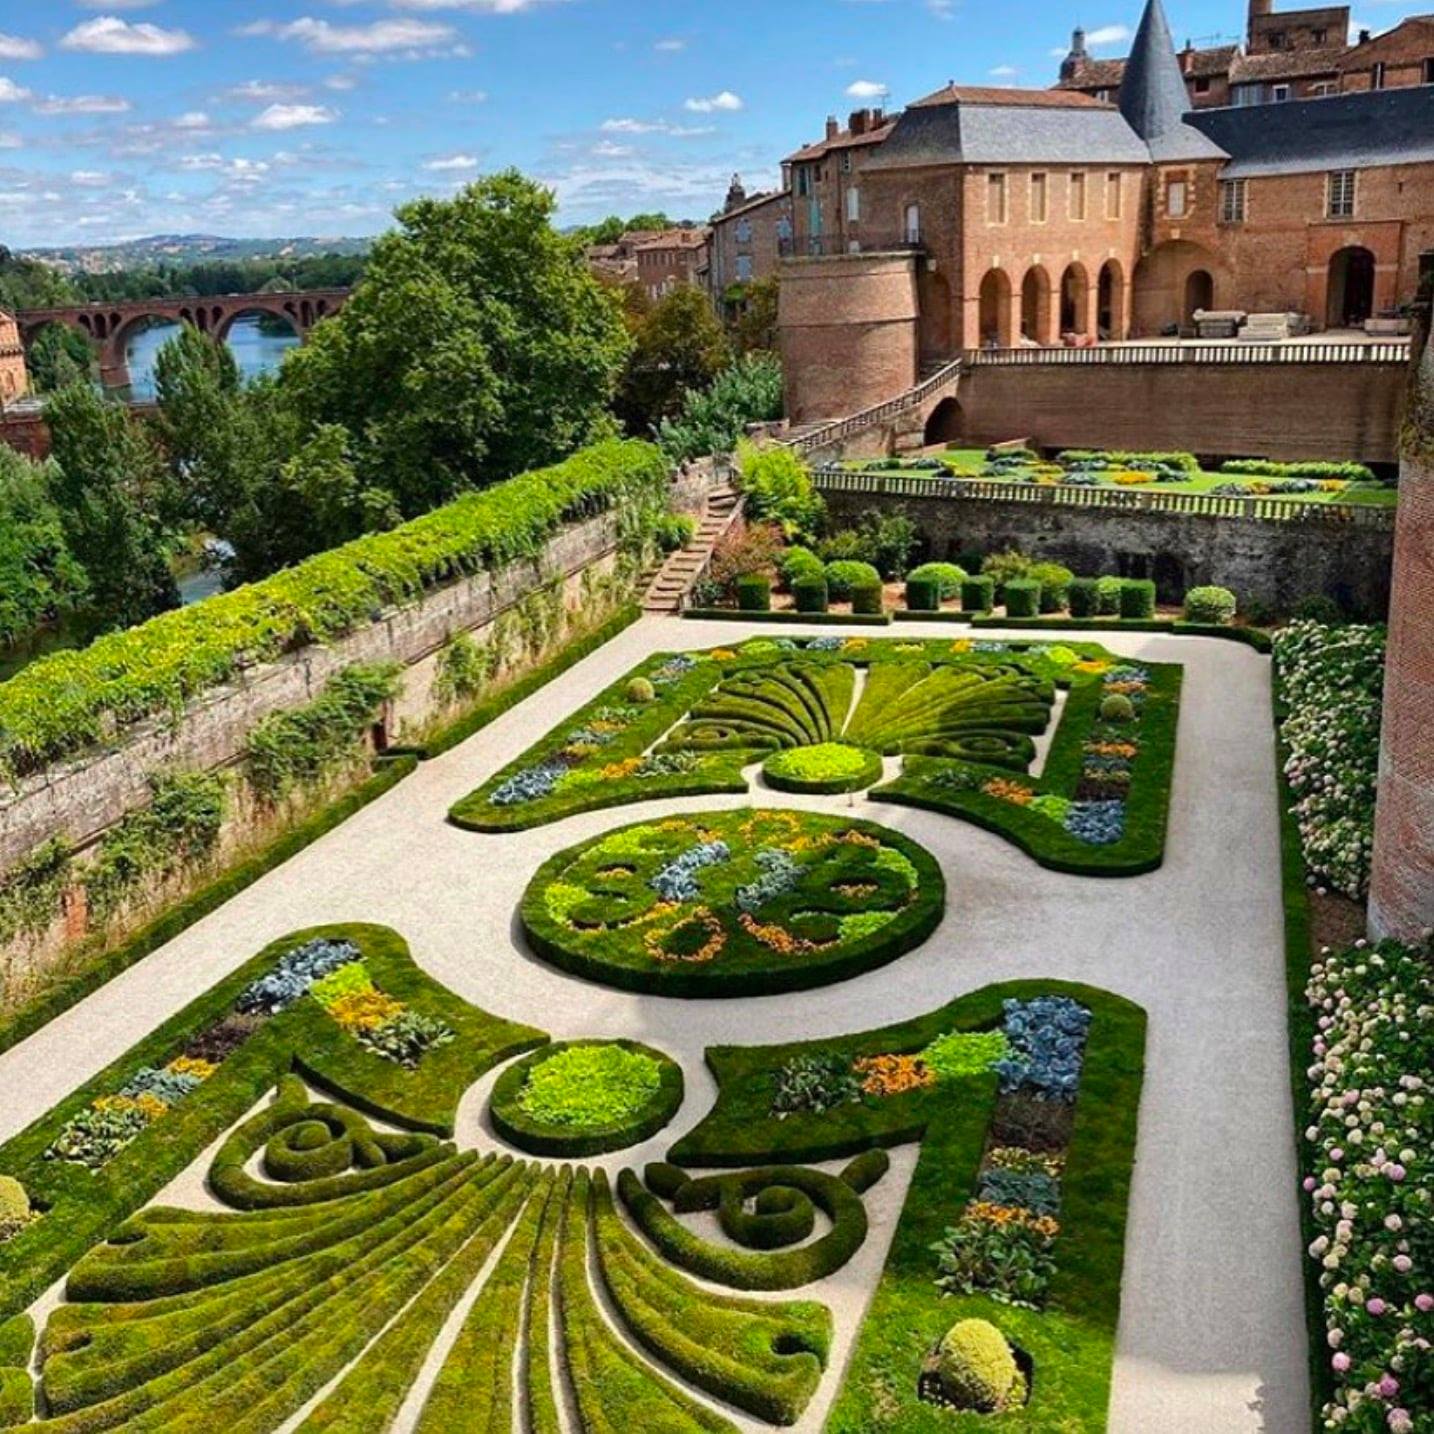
{"x": 1009, "y": 96}
{"x": 844, "y": 139}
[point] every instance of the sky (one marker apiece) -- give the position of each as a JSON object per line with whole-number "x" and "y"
{"x": 122, "y": 118}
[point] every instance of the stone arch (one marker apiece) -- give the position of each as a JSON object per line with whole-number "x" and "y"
{"x": 1199, "y": 294}
{"x": 1350, "y": 291}
{"x": 995, "y": 327}
{"x": 945, "y": 424}
{"x": 283, "y": 313}
{"x": 1161, "y": 288}
{"x": 1075, "y": 299}
{"x": 1036, "y": 306}
{"x": 1110, "y": 301}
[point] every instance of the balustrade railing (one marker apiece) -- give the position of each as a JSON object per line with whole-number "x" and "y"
{"x": 1391, "y": 351}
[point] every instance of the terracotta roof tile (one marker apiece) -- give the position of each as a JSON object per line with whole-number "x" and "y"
{"x": 1009, "y": 97}
{"x": 1285, "y": 65}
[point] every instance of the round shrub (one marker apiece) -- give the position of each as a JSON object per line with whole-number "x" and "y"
{"x": 1107, "y": 593}
{"x": 978, "y": 1369}
{"x": 1319, "y": 608}
{"x": 581, "y": 1098}
{"x": 947, "y": 576}
{"x": 640, "y": 690}
{"x": 799, "y": 562}
{"x": 14, "y": 1202}
{"x": 978, "y": 594}
{"x": 825, "y": 768}
{"x": 1117, "y": 708}
{"x": 866, "y": 598}
{"x": 754, "y": 593}
{"x": 810, "y": 594}
{"x": 1023, "y": 597}
{"x": 1210, "y": 605}
{"x": 846, "y": 573}
{"x": 922, "y": 594}
{"x": 1137, "y": 599}
{"x": 1084, "y": 597}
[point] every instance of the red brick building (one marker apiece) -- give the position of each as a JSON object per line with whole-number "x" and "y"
{"x": 670, "y": 259}
{"x": 14, "y": 378}
{"x": 825, "y": 182}
{"x": 747, "y": 238}
{"x": 1000, "y": 217}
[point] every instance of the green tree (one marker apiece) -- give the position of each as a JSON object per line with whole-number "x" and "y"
{"x": 713, "y": 420}
{"x": 476, "y": 346}
{"x": 58, "y": 357}
{"x": 755, "y": 325}
{"x": 110, "y": 487}
{"x": 680, "y": 347}
{"x": 39, "y": 577}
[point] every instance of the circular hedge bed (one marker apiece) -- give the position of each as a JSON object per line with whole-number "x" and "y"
{"x": 581, "y": 1098}
{"x": 827, "y": 768}
{"x": 738, "y": 903}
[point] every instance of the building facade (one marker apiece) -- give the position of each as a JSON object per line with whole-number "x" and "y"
{"x": 747, "y": 240}
{"x": 670, "y": 260}
{"x": 14, "y": 377}
{"x": 1018, "y": 217}
{"x": 825, "y": 178}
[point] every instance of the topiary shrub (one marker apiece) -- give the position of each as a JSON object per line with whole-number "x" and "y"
{"x": 1117, "y": 708}
{"x": 1137, "y": 599}
{"x": 1023, "y": 597}
{"x": 866, "y": 598}
{"x": 847, "y": 573}
{"x": 978, "y": 1369}
{"x": 754, "y": 593}
{"x": 1084, "y": 597}
{"x": 1107, "y": 593}
{"x": 978, "y": 594}
{"x": 640, "y": 690}
{"x": 948, "y": 577}
{"x": 1319, "y": 608}
{"x": 1210, "y": 604}
{"x": 1002, "y": 567}
{"x": 810, "y": 594}
{"x": 799, "y": 562}
{"x": 1055, "y": 580}
{"x": 922, "y": 594}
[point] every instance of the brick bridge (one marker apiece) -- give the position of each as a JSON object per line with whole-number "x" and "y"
{"x": 110, "y": 327}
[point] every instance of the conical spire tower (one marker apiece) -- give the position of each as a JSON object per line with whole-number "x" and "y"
{"x": 1153, "y": 97}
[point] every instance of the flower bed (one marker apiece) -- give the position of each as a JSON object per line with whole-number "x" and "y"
{"x": 583, "y": 1098}
{"x": 1370, "y": 1183}
{"x": 733, "y": 903}
{"x": 1331, "y": 681}
{"x": 826, "y": 768}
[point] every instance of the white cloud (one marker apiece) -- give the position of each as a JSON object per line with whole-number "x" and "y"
{"x": 1003, "y": 72}
{"x": 341, "y": 82}
{"x": 14, "y": 47}
{"x": 10, "y": 141}
{"x": 670, "y": 47}
{"x": 608, "y": 150}
{"x": 636, "y": 126}
{"x": 294, "y": 116}
{"x": 379, "y": 37}
{"x": 89, "y": 178}
{"x": 725, "y": 100}
{"x": 83, "y": 105}
{"x": 11, "y": 93}
{"x": 1107, "y": 35}
{"x": 264, "y": 91}
{"x": 865, "y": 90}
{"x": 488, "y": 7}
{"x": 451, "y": 163}
{"x": 192, "y": 119}
{"x": 468, "y": 97}
{"x": 109, "y": 35}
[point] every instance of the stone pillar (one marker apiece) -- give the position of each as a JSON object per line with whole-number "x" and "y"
{"x": 1401, "y": 897}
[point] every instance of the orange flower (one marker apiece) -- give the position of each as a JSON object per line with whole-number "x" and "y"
{"x": 712, "y": 947}
{"x": 1012, "y": 1215}
{"x": 776, "y": 938}
{"x": 892, "y": 1075}
{"x": 1008, "y": 791}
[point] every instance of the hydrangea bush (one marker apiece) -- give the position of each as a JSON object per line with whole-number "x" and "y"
{"x": 1331, "y": 683}
{"x": 1370, "y": 1183}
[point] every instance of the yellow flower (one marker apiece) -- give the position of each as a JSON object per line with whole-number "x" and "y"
{"x": 365, "y": 1010}
{"x": 892, "y": 1075}
{"x": 1008, "y": 791}
{"x": 192, "y": 1066}
{"x": 962, "y": 644}
{"x": 722, "y": 654}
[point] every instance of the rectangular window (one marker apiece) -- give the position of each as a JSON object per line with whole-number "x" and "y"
{"x": 1077, "y": 204}
{"x": 804, "y": 181}
{"x": 1320, "y": 36}
{"x": 1376, "y": 76}
{"x": 1339, "y": 194}
{"x": 1112, "y": 196}
{"x": 1038, "y": 199}
{"x": 995, "y": 199}
{"x": 1279, "y": 93}
{"x": 1175, "y": 198}
{"x": 1202, "y": 85}
{"x": 853, "y": 206}
{"x": 1232, "y": 201}
{"x": 846, "y": 161}
{"x": 1429, "y": 71}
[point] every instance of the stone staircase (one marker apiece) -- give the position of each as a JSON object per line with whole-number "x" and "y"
{"x": 674, "y": 579}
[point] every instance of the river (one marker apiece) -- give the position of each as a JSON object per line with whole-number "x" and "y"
{"x": 255, "y": 351}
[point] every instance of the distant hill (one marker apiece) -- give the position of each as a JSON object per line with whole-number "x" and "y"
{"x": 184, "y": 249}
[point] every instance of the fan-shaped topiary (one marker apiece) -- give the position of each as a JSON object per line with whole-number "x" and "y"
{"x": 977, "y": 1368}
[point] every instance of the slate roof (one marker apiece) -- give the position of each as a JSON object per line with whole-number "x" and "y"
{"x": 1153, "y": 97}
{"x": 1108, "y": 74}
{"x": 1354, "y": 131}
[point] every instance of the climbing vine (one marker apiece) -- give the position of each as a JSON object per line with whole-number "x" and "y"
{"x": 32, "y": 890}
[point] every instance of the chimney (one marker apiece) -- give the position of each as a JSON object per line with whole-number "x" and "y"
{"x": 857, "y": 123}
{"x": 878, "y": 118}
{"x": 1075, "y": 61}
{"x": 1259, "y": 8}
{"x": 1364, "y": 37}
{"x": 833, "y": 128}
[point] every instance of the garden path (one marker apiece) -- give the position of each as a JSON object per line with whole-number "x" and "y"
{"x": 1212, "y": 1326}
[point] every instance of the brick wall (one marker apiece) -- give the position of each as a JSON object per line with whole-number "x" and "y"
{"x": 1276, "y": 563}
{"x": 1283, "y": 411}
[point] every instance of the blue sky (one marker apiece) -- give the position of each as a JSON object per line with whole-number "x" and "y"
{"x": 120, "y": 118}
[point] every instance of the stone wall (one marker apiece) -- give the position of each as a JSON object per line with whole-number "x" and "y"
{"x": 1272, "y": 562}
{"x": 80, "y": 799}
{"x": 1285, "y": 411}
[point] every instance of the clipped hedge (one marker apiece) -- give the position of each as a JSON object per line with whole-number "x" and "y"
{"x": 760, "y": 1269}
{"x": 978, "y": 594}
{"x": 1023, "y": 597}
{"x": 537, "y": 1137}
{"x": 948, "y": 578}
{"x": 1137, "y": 599}
{"x": 810, "y": 593}
{"x": 866, "y": 598}
{"x": 68, "y": 701}
{"x": 754, "y": 593}
{"x": 1266, "y": 468}
{"x": 922, "y": 594}
{"x": 844, "y": 575}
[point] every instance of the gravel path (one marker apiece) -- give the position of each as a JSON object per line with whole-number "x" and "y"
{"x": 1211, "y": 1335}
